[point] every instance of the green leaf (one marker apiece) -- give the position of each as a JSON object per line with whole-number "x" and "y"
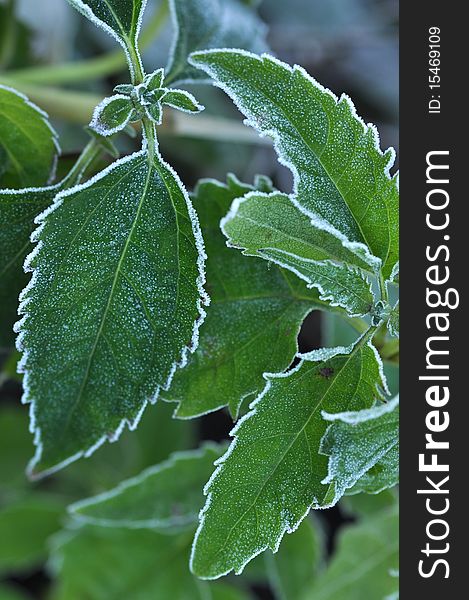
{"x": 203, "y": 24}
{"x": 252, "y": 322}
{"x": 112, "y": 115}
{"x": 164, "y": 497}
{"x": 18, "y": 209}
{"x": 272, "y": 220}
{"x": 113, "y": 306}
{"x": 364, "y": 563}
{"x": 182, "y": 100}
{"x": 120, "y": 18}
{"x": 28, "y": 142}
{"x": 103, "y": 563}
{"x": 363, "y": 505}
{"x": 9, "y": 592}
{"x": 272, "y": 473}
{"x": 341, "y": 175}
{"x": 24, "y": 530}
{"x": 292, "y": 570}
{"x": 339, "y": 285}
{"x": 363, "y": 449}
{"x": 15, "y": 449}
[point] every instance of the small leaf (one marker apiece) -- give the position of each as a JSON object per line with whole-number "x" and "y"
{"x": 341, "y": 175}
{"x": 363, "y": 449}
{"x": 112, "y": 115}
{"x": 120, "y": 18}
{"x": 252, "y": 322}
{"x": 182, "y": 100}
{"x": 154, "y": 81}
{"x": 366, "y": 557}
{"x": 273, "y": 473}
{"x": 103, "y": 563}
{"x": 155, "y": 112}
{"x": 113, "y": 306}
{"x": 200, "y": 25}
{"x": 24, "y": 530}
{"x": 163, "y": 497}
{"x": 28, "y": 142}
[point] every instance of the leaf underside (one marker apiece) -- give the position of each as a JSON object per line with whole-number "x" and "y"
{"x": 113, "y": 305}
{"x": 363, "y": 449}
{"x": 252, "y": 322}
{"x": 341, "y": 175}
{"x": 272, "y": 473}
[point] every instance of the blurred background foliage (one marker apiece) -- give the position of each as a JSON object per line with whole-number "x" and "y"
{"x": 66, "y": 65}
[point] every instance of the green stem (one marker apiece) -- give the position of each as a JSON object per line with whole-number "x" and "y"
{"x": 383, "y": 289}
{"x": 89, "y": 153}
{"x": 95, "y": 68}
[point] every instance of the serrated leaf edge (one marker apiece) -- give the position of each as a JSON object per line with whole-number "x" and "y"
{"x": 357, "y": 247}
{"x": 315, "y": 355}
{"x": 354, "y": 418}
{"x": 203, "y": 300}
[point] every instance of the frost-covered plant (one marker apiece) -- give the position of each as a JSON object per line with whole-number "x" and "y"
{"x": 116, "y": 312}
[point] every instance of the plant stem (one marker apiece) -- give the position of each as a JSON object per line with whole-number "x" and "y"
{"x": 383, "y": 288}
{"x": 94, "y": 68}
{"x": 87, "y": 156}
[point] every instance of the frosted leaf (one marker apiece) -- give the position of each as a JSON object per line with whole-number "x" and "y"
{"x": 203, "y": 24}
{"x": 393, "y": 323}
{"x": 341, "y": 175}
{"x": 18, "y": 209}
{"x": 113, "y": 306}
{"x": 252, "y": 322}
{"x": 166, "y": 497}
{"x": 120, "y": 18}
{"x": 363, "y": 449}
{"x": 362, "y": 567}
{"x": 273, "y": 472}
{"x": 28, "y": 143}
{"x": 182, "y": 100}
{"x": 112, "y": 115}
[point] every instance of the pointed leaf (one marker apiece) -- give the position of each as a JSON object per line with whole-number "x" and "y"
{"x": 113, "y": 306}
{"x": 272, "y": 473}
{"x": 341, "y": 175}
{"x": 154, "y": 112}
{"x": 163, "y": 497}
{"x": 28, "y": 144}
{"x": 252, "y": 322}
{"x": 103, "y": 563}
{"x": 154, "y": 81}
{"x": 363, "y": 566}
{"x": 363, "y": 449}
{"x": 202, "y": 24}
{"x": 120, "y": 18}
{"x": 112, "y": 115}
{"x": 258, "y": 221}
{"x": 18, "y": 209}
{"x": 339, "y": 285}
{"x": 182, "y": 100}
